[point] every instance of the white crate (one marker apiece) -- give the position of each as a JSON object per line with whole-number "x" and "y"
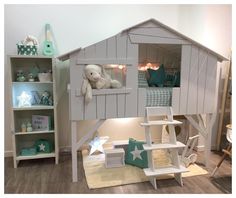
{"x": 114, "y": 158}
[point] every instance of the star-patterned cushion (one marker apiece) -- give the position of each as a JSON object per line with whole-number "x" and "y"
{"x": 43, "y": 146}
{"x": 135, "y": 154}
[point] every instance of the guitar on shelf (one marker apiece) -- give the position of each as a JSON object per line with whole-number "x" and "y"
{"x": 48, "y": 49}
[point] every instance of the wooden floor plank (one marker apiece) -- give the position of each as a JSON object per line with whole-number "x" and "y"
{"x": 43, "y": 176}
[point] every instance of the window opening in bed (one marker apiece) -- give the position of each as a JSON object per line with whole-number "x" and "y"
{"x": 117, "y": 72}
{"x": 160, "y": 65}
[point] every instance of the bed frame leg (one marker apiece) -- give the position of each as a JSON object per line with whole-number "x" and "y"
{"x": 74, "y": 151}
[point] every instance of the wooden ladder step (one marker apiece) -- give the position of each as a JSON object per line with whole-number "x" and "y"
{"x": 163, "y": 171}
{"x": 163, "y": 146}
{"x": 161, "y": 122}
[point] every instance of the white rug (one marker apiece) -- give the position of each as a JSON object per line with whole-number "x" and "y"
{"x": 98, "y": 176}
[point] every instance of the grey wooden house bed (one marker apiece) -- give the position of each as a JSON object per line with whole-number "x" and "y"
{"x": 148, "y": 42}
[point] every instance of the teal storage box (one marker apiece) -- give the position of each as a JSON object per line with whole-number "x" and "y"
{"x": 43, "y": 146}
{"x": 28, "y": 151}
{"x": 26, "y": 49}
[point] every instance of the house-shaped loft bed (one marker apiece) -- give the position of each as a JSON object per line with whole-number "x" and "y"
{"x": 131, "y": 50}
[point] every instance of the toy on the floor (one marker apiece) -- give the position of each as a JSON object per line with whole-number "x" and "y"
{"x": 187, "y": 156}
{"x": 97, "y": 144}
{"x": 114, "y": 158}
{"x": 95, "y": 77}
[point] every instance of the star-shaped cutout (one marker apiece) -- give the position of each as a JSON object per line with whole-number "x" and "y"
{"x": 41, "y": 147}
{"x": 96, "y": 144}
{"x": 136, "y": 153}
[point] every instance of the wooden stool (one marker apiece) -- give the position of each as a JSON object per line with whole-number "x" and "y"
{"x": 227, "y": 151}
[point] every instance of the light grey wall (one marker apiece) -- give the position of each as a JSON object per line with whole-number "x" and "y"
{"x": 81, "y": 25}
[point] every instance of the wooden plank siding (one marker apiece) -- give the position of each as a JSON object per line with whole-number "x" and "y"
{"x": 175, "y": 100}
{"x": 141, "y": 101}
{"x": 201, "y": 82}
{"x": 154, "y": 32}
{"x": 210, "y": 87}
{"x": 135, "y": 38}
{"x": 101, "y": 107}
{"x": 90, "y": 109}
{"x": 198, "y": 81}
{"x": 76, "y": 103}
{"x": 111, "y": 106}
{"x": 192, "y": 87}
{"x": 132, "y": 80}
{"x": 120, "y": 105}
{"x": 184, "y": 82}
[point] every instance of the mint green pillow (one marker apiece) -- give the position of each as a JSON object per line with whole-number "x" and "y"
{"x": 157, "y": 77}
{"x": 136, "y": 155}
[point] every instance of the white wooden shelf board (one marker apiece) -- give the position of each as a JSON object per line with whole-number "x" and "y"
{"x": 163, "y": 146}
{"x": 33, "y": 132}
{"x": 34, "y": 107}
{"x": 161, "y": 122}
{"x": 30, "y": 56}
{"x": 163, "y": 171}
{"x": 35, "y": 82}
{"x": 37, "y": 156}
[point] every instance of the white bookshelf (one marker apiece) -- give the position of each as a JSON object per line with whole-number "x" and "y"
{"x": 24, "y": 114}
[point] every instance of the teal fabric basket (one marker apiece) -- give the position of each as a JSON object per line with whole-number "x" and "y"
{"x": 27, "y": 49}
{"x": 28, "y": 151}
{"x": 43, "y": 146}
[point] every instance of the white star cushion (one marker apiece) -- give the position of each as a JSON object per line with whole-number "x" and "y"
{"x": 136, "y": 153}
{"x": 96, "y": 144}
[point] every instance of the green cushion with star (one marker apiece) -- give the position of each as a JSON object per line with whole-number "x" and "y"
{"x": 136, "y": 155}
{"x": 43, "y": 146}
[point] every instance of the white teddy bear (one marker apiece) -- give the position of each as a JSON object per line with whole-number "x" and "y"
{"x": 95, "y": 77}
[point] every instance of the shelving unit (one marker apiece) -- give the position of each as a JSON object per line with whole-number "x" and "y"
{"x": 23, "y": 114}
{"x": 175, "y": 167}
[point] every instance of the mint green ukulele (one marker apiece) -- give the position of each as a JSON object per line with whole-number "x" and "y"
{"x": 48, "y": 49}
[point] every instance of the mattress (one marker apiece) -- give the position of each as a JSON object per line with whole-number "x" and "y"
{"x": 158, "y": 96}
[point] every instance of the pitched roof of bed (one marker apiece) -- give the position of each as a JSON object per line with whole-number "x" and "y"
{"x": 219, "y": 57}
{"x": 66, "y": 56}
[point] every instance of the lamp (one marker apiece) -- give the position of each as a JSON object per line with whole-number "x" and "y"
{"x": 24, "y": 100}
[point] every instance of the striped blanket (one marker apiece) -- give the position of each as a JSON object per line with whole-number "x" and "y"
{"x": 158, "y": 96}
